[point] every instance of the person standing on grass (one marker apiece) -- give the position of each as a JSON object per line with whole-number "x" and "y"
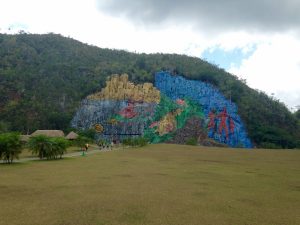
{"x": 86, "y": 147}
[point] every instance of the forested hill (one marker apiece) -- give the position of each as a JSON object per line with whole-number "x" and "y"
{"x": 43, "y": 78}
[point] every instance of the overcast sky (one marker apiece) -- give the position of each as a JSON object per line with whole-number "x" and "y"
{"x": 257, "y": 40}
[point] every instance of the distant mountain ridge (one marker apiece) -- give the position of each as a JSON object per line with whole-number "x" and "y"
{"x": 43, "y": 78}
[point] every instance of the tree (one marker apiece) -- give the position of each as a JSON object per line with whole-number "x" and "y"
{"x": 59, "y": 147}
{"x": 40, "y": 145}
{"x": 4, "y": 127}
{"x": 297, "y": 114}
{"x": 47, "y": 147}
{"x": 10, "y": 146}
{"x": 80, "y": 141}
{"x": 89, "y": 133}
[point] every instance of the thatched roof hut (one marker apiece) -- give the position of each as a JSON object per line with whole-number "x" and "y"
{"x": 72, "y": 136}
{"x": 24, "y": 138}
{"x": 49, "y": 133}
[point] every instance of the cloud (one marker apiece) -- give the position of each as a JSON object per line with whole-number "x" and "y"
{"x": 274, "y": 68}
{"x": 190, "y": 27}
{"x": 213, "y": 15}
{"x": 227, "y": 58}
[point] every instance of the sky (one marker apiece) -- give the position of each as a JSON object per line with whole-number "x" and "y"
{"x": 257, "y": 40}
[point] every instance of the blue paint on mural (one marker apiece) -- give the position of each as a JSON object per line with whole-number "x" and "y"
{"x": 224, "y": 124}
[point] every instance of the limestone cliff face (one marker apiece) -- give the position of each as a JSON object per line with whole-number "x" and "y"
{"x": 175, "y": 110}
{"x": 119, "y": 88}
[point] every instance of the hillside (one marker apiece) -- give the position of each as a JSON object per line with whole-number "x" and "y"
{"x": 43, "y": 78}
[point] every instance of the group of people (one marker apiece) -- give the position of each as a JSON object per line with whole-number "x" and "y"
{"x": 105, "y": 145}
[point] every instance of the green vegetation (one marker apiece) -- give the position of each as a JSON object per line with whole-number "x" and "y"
{"x": 192, "y": 141}
{"x": 46, "y": 147}
{"x": 81, "y": 141}
{"x": 297, "y": 114}
{"x": 59, "y": 147}
{"x": 162, "y": 184}
{"x": 10, "y": 147}
{"x": 135, "y": 142}
{"x": 43, "y": 78}
{"x": 90, "y": 134}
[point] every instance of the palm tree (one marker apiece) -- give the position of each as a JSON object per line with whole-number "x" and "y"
{"x": 10, "y": 146}
{"x": 59, "y": 146}
{"x": 40, "y": 145}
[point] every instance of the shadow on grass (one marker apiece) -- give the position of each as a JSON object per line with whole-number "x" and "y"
{"x": 4, "y": 164}
{"x": 34, "y": 160}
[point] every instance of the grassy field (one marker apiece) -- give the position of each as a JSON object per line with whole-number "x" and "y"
{"x": 158, "y": 184}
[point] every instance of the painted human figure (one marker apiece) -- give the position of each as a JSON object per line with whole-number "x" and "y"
{"x": 212, "y": 123}
{"x": 223, "y": 122}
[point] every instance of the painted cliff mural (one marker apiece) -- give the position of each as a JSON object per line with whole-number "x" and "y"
{"x": 174, "y": 110}
{"x": 223, "y": 124}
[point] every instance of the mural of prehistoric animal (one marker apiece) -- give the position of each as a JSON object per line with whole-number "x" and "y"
{"x": 161, "y": 112}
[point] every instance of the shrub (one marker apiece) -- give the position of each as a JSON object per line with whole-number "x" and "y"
{"x": 141, "y": 141}
{"x": 268, "y": 145}
{"x": 89, "y": 133}
{"x": 10, "y": 146}
{"x": 59, "y": 147}
{"x": 135, "y": 142}
{"x": 80, "y": 141}
{"x": 47, "y": 147}
{"x": 192, "y": 141}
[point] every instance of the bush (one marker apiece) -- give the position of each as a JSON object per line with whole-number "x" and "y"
{"x": 192, "y": 141}
{"x": 127, "y": 141}
{"x": 81, "y": 141}
{"x": 10, "y": 146}
{"x": 47, "y": 147}
{"x": 268, "y": 145}
{"x": 141, "y": 141}
{"x": 59, "y": 147}
{"x": 90, "y": 133}
{"x": 135, "y": 142}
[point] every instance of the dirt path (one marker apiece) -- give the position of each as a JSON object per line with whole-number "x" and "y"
{"x": 93, "y": 150}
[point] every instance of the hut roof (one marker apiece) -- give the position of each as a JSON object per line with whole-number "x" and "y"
{"x": 71, "y": 136}
{"x": 49, "y": 133}
{"x": 25, "y": 138}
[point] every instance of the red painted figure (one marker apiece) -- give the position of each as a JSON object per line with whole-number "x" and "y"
{"x": 211, "y": 123}
{"x": 231, "y": 125}
{"x": 128, "y": 112}
{"x": 223, "y": 125}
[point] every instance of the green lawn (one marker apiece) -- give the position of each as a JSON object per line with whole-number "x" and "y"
{"x": 158, "y": 184}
